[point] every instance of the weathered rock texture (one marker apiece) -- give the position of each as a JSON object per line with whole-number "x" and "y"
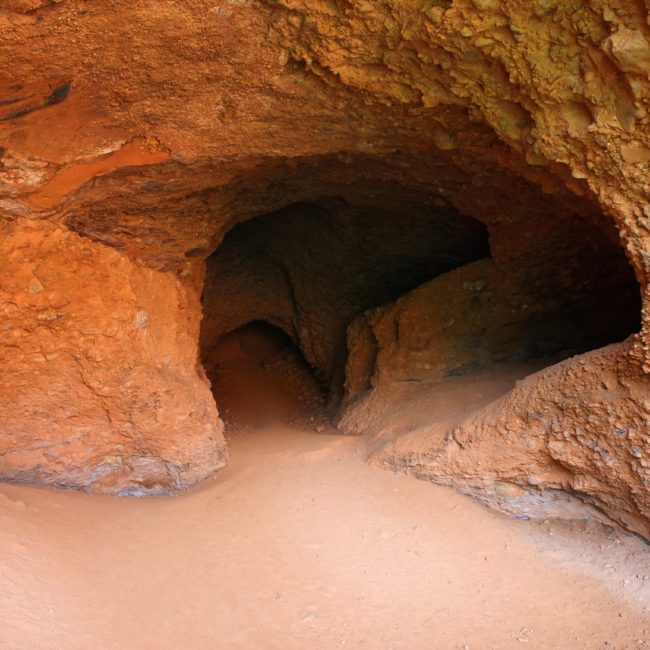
{"x": 477, "y": 316}
{"x": 134, "y": 136}
{"x": 99, "y": 381}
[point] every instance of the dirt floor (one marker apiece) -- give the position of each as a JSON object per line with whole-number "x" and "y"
{"x": 301, "y": 544}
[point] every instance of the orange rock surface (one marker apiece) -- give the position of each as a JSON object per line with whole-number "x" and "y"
{"x": 134, "y": 136}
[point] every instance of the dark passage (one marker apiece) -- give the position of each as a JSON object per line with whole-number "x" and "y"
{"x": 260, "y": 379}
{"x": 323, "y": 273}
{"x": 311, "y": 268}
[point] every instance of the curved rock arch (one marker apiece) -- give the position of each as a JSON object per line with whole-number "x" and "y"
{"x": 133, "y": 138}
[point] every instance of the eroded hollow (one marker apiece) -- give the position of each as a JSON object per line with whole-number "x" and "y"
{"x": 311, "y": 268}
{"x": 417, "y": 293}
{"x": 261, "y": 379}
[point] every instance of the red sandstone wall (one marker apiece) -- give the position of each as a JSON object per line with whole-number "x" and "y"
{"x": 99, "y": 387}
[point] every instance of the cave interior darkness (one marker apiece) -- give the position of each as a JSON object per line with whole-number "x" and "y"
{"x": 446, "y": 294}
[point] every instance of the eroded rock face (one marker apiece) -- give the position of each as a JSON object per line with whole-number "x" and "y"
{"x": 577, "y": 428}
{"x": 477, "y": 316}
{"x": 99, "y": 387}
{"x": 134, "y": 136}
{"x": 466, "y": 332}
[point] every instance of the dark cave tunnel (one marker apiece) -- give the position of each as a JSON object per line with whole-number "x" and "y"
{"x": 310, "y": 269}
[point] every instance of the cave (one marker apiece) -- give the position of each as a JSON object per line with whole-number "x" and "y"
{"x": 295, "y": 289}
{"x": 311, "y": 267}
{"x": 378, "y": 294}
{"x": 260, "y": 379}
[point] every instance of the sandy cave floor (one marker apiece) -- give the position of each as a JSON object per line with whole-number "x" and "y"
{"x": 301, "y": 544}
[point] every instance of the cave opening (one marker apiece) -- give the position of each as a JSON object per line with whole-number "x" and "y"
{"x": 260, "y": 379}
{"x": 370, "y": 295}
{"x": 290, "y": 289}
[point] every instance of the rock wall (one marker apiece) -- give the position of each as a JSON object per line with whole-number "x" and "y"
{"x": 477, "y": 316}
{"x": 99, "y": 379}
{"x": 577, "y": 428}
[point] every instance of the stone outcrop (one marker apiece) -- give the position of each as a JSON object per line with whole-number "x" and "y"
{"x": 99, "y": 385}
{"x": 478, "y": 316}
{"x": 578, "y": 428}
{"x": 134, "y": 136}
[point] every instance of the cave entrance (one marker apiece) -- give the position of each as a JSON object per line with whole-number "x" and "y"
{"x": 311, "y": 268}
{"x": 260, "y": 379}
{"x": 375, "y": 296}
